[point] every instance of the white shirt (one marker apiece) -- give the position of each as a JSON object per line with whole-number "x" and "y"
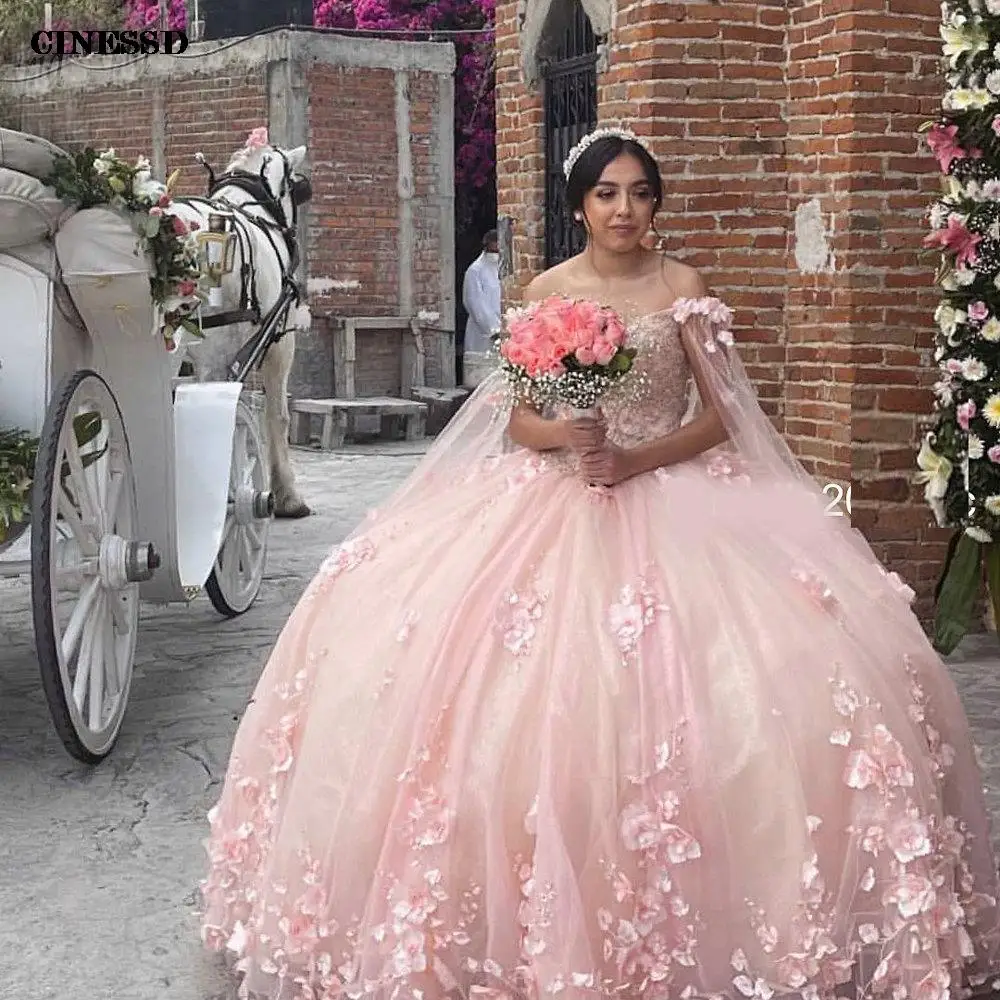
{"x": 481, "y": 298}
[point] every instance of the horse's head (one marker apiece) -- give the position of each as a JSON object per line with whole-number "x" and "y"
{"x": 279, "y": 173}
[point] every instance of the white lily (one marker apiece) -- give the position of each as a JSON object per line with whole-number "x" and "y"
{"x": 948, "y": 317}
{"x": 967, "y": 99}
{"x": 968, "y": 38}
{"x": 935, "y": 471}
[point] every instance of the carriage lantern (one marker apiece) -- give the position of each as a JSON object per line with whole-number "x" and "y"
{"x": 216, "y": 254}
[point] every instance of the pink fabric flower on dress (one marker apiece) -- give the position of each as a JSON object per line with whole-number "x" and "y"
{"x": 258, "y": 139}
{"x": 909, "y": 839}
{"x": 979, "y": 311}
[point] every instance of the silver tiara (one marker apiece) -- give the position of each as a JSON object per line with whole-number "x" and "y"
{"x": 600, "y": 133}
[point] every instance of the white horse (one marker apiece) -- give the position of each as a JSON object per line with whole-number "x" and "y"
{"x": 263, "y": 187}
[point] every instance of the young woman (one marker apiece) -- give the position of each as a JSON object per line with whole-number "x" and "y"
{"x": 676, "y": 736}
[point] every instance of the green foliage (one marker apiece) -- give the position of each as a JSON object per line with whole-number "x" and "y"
{"x": 20, "y": 19}
{"x": 17, "y": 463}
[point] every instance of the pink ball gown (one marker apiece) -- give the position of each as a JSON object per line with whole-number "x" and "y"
{"x": 682, "y": 738}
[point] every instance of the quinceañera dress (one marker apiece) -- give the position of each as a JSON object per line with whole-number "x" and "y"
{"x": 680, "y": 738}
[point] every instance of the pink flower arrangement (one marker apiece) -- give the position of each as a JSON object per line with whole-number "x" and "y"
{"x": 549, "y": 337}
{"x": 944, "y": 144}
{"x": 956, "y": 238}
{"x": 258, "y": 139}
{"x": 564, "y": 348}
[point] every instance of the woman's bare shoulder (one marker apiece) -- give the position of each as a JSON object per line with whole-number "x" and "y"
{"x": 559, "y": 279}
{"x": 684, "y": 281}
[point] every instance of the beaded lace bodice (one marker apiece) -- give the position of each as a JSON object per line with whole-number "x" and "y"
{"x": 660, "y": 407}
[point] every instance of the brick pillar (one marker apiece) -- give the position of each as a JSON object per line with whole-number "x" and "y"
{"x": 520, "y": 152}
{"x": 706, "y": 83}
{"x": 859, "y": 323}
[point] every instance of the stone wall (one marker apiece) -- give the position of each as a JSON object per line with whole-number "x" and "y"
{"x": 377, "y": 119}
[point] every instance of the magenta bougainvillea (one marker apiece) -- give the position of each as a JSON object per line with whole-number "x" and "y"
{"x": 140, "y": 13}
{"x": 475, "y": 145}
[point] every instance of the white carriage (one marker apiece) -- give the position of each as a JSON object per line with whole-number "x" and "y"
{"x": 146, "y": 486}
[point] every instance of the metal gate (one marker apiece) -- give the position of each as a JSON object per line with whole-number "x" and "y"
{"x": 570, "y": 113}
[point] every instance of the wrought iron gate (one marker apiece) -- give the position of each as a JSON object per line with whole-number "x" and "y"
{"x": 570, "y": 113}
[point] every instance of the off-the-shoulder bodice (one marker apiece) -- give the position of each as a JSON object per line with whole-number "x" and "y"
{"x": 663, "y": 365}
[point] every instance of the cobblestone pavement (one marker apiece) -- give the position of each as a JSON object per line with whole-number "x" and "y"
{"x": 98, "y": 866}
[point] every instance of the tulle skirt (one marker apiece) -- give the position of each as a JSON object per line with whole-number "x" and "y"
{"x": 683, "y": 738}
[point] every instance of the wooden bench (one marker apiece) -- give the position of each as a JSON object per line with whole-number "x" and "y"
{"x": 338, "y": 418}
{"x": 442, "y": 404}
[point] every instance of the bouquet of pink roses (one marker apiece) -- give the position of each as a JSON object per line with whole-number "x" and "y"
{"x": 563, "y": 350}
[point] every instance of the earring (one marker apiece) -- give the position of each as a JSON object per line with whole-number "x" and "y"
{"x": 578, "y": 216}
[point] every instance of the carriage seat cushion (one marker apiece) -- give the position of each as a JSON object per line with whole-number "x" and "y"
{"x": 106, "y": 275}
{"x": 27, "y": 154}
{"x": 29, "y": 210}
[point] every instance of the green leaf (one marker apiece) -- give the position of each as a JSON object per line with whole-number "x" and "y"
{"x": 152, "y": 225}
{"x": 86, "y": 427}
{"x": 957, "y": 594}
{"x": 192, "y": 327}
{"x": 993, "y": 577}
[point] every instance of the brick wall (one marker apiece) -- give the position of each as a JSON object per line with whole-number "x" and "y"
{"x": 344, "y": 111}
{"x": 786, "y": 133}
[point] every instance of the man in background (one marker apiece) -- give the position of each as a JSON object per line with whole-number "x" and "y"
{"x": 481, "y": 298}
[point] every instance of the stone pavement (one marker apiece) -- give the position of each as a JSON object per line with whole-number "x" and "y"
{"x": 99, "y": 867}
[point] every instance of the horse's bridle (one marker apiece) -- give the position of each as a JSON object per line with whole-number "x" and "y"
{"x": 299, "y": 187}
{"x": 255, "y": 185}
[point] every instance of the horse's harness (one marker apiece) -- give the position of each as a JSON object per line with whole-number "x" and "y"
{"x": 256, "y": 186}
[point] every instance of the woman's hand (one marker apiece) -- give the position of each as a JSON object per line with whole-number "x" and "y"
{"x": 607, "y": 466}
{"x": 585, "y": 434}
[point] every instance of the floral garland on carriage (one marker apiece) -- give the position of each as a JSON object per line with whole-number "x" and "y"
{"x": 959, "y": 457}
{"x": 91, "y": 179}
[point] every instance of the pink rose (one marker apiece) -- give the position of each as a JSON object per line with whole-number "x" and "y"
{"x": 979, "y": 311}
{"x": 180, "y": 226}
{"x": 156, "y": 210}
{"x": 585, "y": 355}
{"x": 588, "y": 314}
{"x": 514, "y": 353}
{"x": 561, "y": 349}
{"x": 614, "y": 331}
{"x": 164, "y": 200}
{"x": 994, "y": 454}
{"x": 965, "y": 412}
{"x": 604, "y": 351}
{"x": 187, "y": 288}
{"x": 194, "y": 224}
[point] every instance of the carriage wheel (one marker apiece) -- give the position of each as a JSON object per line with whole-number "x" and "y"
{"x": 238, "y": 572}
{"x": 85, "y": 566}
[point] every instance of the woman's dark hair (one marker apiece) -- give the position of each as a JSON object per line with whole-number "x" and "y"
{"x": 594, "y": 159}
